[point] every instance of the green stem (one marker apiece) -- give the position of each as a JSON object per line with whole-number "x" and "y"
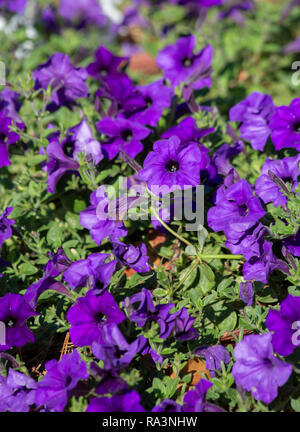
{"x": 174, "y": 233}
{"x": 193, "y": 266}
{"x": 230, "y": 257}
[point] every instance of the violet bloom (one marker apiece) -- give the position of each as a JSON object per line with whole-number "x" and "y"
{"x": 107, "y": 65}
{"x": 14, "y": 312}
{"x": 172, "y": 165}
{"x": 82, "y": 11}
{"x": 251, "y": 242}
{"x": 90, "y": 314}
{"x": 17, "y": 392}
{"x": 7, "y": 138}
{"x": 93, "y": 271}
{"x": 157, "y": 97}
{"x": 257, "y": 369}
{"x": 221, "y": 158}
{"x": 254, "y": 112}
{"x": 181, "y": 65}
{"x": 145, "y": 311}
{"x": 131, "y": 256}
{"x": 292, "y": 244}
{"x": 84, "y": 141}
{"x": 213, "y": 355}
{"x": 5, "y": 225}
{"x": 98, "y": 219}
{"x": 61, "y": 379}
{"x": 58, "y": 263}
{"x": 246, "y": 292}
{"x": 236, "y": 211}
{"x": 168, "y": 405}
{"x": 287, "y": 169}
{"x": 60, "y": 161}
{"x": 187, "y": 130}
{"x": 125, "y": 402}
{"x": 285, "y": 125}
{"x": 284, "y": 325}
{"x": 260, "y": 266}
{"x": 10, "y": 104}
{"x": 292, "y": 47}
{"x": 114, "y": 350}
{"x": 123, "y": 135}
{"x": 178, "y": 324}
{"x": 195, "y": 400}
{"x": 234, "y": 10}
{"x": 66, "y": 81}
{"x": 124, "y": 96}
{"x": 17, "y": 6}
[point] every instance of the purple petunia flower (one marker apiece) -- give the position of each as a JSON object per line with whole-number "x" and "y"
{"x": 157, "y": 97}
{"x": 62, "y": 377}
{"x": 236, "y": 211}
{"x": 82, "y": 137}
{"x": 181, "y": 65}
{"x": 83, "y": 11}
{"x": 14, "y": 312}
{"x": 131, "y": 256}
{"x": 7, "y": 138}
{"x": 195, "y": 400}
{"x": 98, "y": 219}
{"x": 250, "y": 243}
{"x": 257, "y": 369}
{"x": 58, "y": 263}
{"x": 123, "y": 94}
{"x": 213, "y": 355}
{"x": 246, "y": 293}
{"x": 187, "y": 130}
{"x": 284, "y": 325}
{"x": 107, "y": 65}
{"x": 17, "y": 392}
{"x": 172, "y": 165}
{"x": 10, "y": 104}
{"x": 114, "y": 350}
{"x": 66, "y": 81}
{"x": 93, "y": 271}
{"x": 90, "y": 314}
{"x": 260, "y": 266}
{"x": 254, "y": 112}
{"x": 178, "y": 324}
{"x": 221, "y": 158}
{"x": 292, "y": 47}
{"x": 168, "y": 405}
{"x": 5, "y": 225}
{"x": 123, "y": 135}
{"x": 128, "y": 401}
{"x": 234, "y": 10}
{"x": 285, "y": 125}
{"x": 17, "y": 6}
{"x": 60, "y": 161}
{"x": 292, "y": 244}
{"x": 287, "y": 169}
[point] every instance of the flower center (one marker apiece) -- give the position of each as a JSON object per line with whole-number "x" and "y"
{"x": 68, "y": 381}
{"x": 187, "y": 62}
{"x": 268, "y": 363}
{"x": 172, "y": 166}
{"x": 149, "y": 101}
{"x": 296, "y": 127}
{"x": 126, "y": 135}
{"x": 243, "y": 210}
{"x": 99, "y": 317}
